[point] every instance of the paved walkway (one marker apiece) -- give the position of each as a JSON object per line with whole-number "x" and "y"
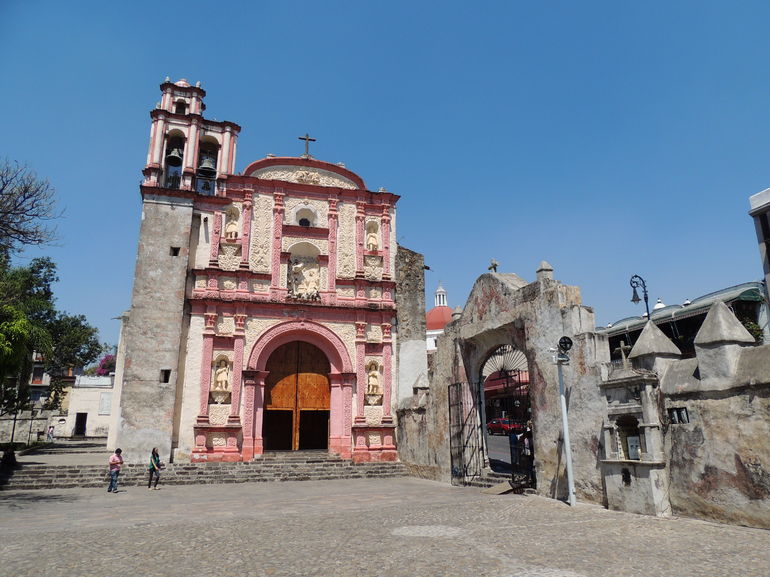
{"x": 394, "y": 527}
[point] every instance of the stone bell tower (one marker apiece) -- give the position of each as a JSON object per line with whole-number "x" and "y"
{"x": 189, "y": 157}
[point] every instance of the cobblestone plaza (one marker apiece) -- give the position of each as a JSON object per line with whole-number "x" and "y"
{"x": 355, "y": 528}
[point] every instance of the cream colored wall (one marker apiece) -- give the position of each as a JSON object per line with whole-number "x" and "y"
{"x": 190, "y": 388}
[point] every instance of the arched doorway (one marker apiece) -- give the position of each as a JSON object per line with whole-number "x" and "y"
{"x": 297, "y": 398}
{"x": 508, "y": 414}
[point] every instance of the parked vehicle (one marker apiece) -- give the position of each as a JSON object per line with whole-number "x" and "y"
{"x": 505, "y": 427}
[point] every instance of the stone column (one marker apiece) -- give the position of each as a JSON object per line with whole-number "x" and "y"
{"x": 385, "y": 233}
{"x": 360, "y": 223}
{"x": 235, "y": 387}
{"x": 246, "y": 232}
{"x": 332, "y": 268}
{"x": 215, "y": 236}
{"x": 205, "y": 380}
{"x": 278, "y": 211}
{"x": 249, "y": 394}
{"x": 387, "y": 373}
{"x": 259, "y": 411}
{"x": 360, "y": 371}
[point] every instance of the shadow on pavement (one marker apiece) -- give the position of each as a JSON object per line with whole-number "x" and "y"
{"x": 19, "y": 498}
{"x": 500, "y": 466}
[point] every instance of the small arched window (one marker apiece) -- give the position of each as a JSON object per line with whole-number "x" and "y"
{"x": 180, "y": 107}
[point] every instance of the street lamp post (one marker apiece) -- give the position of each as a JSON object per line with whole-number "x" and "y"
{"x": 562, "y": 358}
{"x": 636, "y": 282}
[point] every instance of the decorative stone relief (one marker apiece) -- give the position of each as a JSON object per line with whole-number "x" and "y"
{"x": 346, "y": 333}
{"x": 346, "y": 241}
{"x": 255, "y": 328}
{"x": 220, "y": 383}
{"x": 373, "y": 438}
{"x": 304, "y": 175}
{"x": 201, "y": 281}
{"x": 373, "y": 334}
{"x": 228, "y": 283}
{"x": 373, "y": 415}
{"x": 373, "y": 267}
{"x": 216, "y": 440}
{"x": 373, "y": 394}
{"x": 304, "y": 279}
{"x": 225, "y": 325}
{"x": 374, "y": 293}
{"x": 218, "y": 414}
{"x": 261, "y": 233}
{"x": 319, "y": 207}
{"x": 260, "y": 286}
{"x": 231, "y": 224}
{"x": 372, "y": 228}
{"x": 320, "y": 244}
{"x": 346, "y": 292}
{"x": 229, "y": 256}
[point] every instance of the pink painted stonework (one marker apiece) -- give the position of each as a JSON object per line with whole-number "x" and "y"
{"x": 280, "y": 306}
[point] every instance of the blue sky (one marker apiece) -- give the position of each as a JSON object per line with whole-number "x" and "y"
{"x": 609, "y": 138}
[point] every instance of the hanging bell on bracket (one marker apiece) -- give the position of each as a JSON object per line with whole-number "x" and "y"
{"x": 174, "y": 157}
{"x": 207, "y": 167}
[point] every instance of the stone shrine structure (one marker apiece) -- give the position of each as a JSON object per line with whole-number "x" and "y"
{"x": 264, "y": 303}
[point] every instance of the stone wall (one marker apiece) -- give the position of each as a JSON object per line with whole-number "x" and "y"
{"x": 152, "y": 331}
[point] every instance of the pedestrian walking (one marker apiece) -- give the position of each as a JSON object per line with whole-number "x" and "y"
{"x": 154, "y": 468}
{"x": 116, "y": 462}
{"x": 49, "y": 437}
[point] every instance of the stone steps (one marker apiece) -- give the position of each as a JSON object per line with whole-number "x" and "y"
{"x": 268, "y": 469}
{"x": 487, "y": 479}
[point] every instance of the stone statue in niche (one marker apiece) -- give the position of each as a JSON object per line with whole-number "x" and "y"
{"x": 220, "y": 389}
{"x": 373, "y": 389}
{"x": 372, "y": 243}
{"x": 304, "y": 279}
{"x": 231, "y": 228}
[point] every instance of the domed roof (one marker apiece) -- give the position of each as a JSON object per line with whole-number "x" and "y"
{"x": 437, "y": 318}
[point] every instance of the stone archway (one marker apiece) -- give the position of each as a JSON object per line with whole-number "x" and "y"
{"x": 340, "y": 376}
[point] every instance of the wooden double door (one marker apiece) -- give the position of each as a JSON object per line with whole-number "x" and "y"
{"x": 297, "y": 399}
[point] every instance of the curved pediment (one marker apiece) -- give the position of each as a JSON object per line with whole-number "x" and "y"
{"x": 305, "y": 171}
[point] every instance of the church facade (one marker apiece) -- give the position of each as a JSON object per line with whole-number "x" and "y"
{"x": 264, "y": 303}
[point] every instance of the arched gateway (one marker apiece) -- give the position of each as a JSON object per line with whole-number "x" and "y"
{"x": 298, "y": 391}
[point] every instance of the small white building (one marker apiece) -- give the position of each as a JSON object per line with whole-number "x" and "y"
{"x": 90, "y": 402}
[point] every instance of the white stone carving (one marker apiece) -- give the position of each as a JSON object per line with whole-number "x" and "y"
{"x": 373, "y": 438}
{"x": 261, "y": 234}
{"x": 373, "y": 334}
{"x": 320, "y": 244}
{"x": 229, "y": 256}
{"x": 225, "y": 325}
{"x": 373, "y": 416}
{"x": 231, "y": 224}
{"x": 228, "y": 283}
{"x": 216, "y": 440}
{"x": 254, "y": 328}
{"x": 304, "y": 280}
{"x": 373, "y": 268}
{"x": 346, "y": 241}
{"x": 200, "y": 281}
{"x": 347, "y": 333}
{"x": 260, "y": 286}
{"x": 218, "y": 414}
{"x": 346, "y": 292}
{"x": 374, "y": 293}
{"x": 304, "y": 175}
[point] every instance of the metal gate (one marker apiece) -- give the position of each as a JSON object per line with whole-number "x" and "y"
{"x": 465, "y": 435}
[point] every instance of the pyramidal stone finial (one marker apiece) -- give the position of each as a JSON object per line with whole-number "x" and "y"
{"x": 653, "y": 341}
{"x": 721, "y": 326}
{"x": 544, "y": 271}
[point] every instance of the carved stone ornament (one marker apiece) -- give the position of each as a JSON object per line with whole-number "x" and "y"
{"x": 220, "y": 387}
{"x": 304, "y": 278}
{"x": 304, "y": 175}
{"x": 373, "y": 268}
{"x": 229, "y": 256}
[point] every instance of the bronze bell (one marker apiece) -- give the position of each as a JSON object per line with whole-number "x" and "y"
{"x": 207, "y": 167}
{"x": 174, "y": 158}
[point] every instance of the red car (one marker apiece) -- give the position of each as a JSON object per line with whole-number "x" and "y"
{"x": 505, "y": 427}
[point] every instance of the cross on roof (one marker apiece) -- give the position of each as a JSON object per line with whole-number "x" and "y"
{"x": 307, "y": 140}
